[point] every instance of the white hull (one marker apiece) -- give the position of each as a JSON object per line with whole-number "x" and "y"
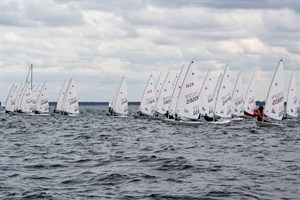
{"x": 268, "y": 124}
{"x": 179, "y": 122}
{"x": 237, "y": 119}
{"x": 43, "y": 114}
{"x": 147, "y": 117}
{"x": 73, "y": 114}
{"x": 224, "y": 121}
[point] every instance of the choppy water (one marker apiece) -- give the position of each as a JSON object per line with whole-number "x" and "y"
{"x": 98, "y": 157}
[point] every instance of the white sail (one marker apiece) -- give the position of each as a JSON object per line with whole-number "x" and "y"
{"x": 292, "y": 98}
{"x": 165, "y": 95}
{"x": 42, "y": 103}
{"x": 206, "y": 96}
{"x": 19, "y": 96}
{"x": 249, "y": 104}
{"x": 35, "y": 95}
{"x": 61, "y": 97}
{"x": 188, "y": 99}
{"x": 158, "y": 86}
{"x": 176, "y": 90}
{"x": 215, "y": 94}
{"x": 274, "y": 107}
{"x": 238, "y": 97}
{"x": 11, "y": 99}
{"x": 120, "y": 105}
{"x": 26, "y": 99}
{"x": 70, "y": 104}
{"x": 223, "y": 97}
{"x": 148, "y": 100}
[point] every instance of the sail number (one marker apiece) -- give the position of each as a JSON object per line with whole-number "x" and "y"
{"x": 277, "y": 98}
{"x": 189, "y": 85}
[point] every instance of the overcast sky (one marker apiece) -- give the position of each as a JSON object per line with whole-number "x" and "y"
{"x": 97, "y": 42}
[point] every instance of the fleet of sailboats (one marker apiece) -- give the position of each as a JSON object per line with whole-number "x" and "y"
{"x": 177, "y": 100}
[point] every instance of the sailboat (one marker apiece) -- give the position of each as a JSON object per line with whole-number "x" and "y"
{"x": 274, "y": 104}
{"x": 237, "y": 100}
{"x": 58, "y": 109}
{"x": 148, "y": 101}
{"x": 70, "y": 104}
{"x": 165, "y": 94}
{"x": 249, "y": 104}
{"x": 42, "y": 103}
{"x": 26, "y": 100}
{"x": 187, "y": 106}
{"x": 10, "y": 104}
{"x": 120, "y": 103}
{"x": 292, "y": 98}
{"x": 176, "y": 91}
{"x": 222, "y": 107}
{"x": 206, "y": 96}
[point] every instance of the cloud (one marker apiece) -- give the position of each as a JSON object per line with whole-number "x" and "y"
{"x": 39, "y": 13}
{"x": 97, "y": 42}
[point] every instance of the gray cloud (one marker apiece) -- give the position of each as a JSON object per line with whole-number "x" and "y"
{"x": 97, "y": 42}
{"x": 39, "y": 13}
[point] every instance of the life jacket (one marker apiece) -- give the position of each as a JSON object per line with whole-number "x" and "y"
{"x": 256, "y": 113}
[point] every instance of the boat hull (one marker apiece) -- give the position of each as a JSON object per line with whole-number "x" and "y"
{"x": 268, "y": 124}
{"x": 180, "y": 122}
{"x": 224, "y": 121}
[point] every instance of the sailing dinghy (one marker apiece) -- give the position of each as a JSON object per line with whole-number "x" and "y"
{"x": 292, "y": 99}
{"x": 222, "y": 107}
{"x": 148, "y": 102}
{"x": 42, "y": 103}
{"x": 237, "y": 100}
{"x": 187, "y": 106}
{"x": 206, "y": 96}
{"x": 249, "y": 104}
{"x": 274, "y": 106}
{"x": 70, "y": 104}
{"x": 120, "y": 102}
{"x": 10, "y": 104}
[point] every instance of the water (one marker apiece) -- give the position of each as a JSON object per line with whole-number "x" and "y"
{"x": 99, "y": 157}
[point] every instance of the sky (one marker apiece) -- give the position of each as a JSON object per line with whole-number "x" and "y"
{"x": 98, "y": 42}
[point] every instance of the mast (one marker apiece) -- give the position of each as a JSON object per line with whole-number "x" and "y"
{"x": 31, "y": 75}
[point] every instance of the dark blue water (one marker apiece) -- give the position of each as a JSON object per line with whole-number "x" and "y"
{"x": 98, "y": 157}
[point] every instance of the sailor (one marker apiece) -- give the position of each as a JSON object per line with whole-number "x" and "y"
{"x": 167, "y": 114}
{"x": 177, "y": 118}
{"x": 260, "y": 116}
{"x": 207, "y": 118}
